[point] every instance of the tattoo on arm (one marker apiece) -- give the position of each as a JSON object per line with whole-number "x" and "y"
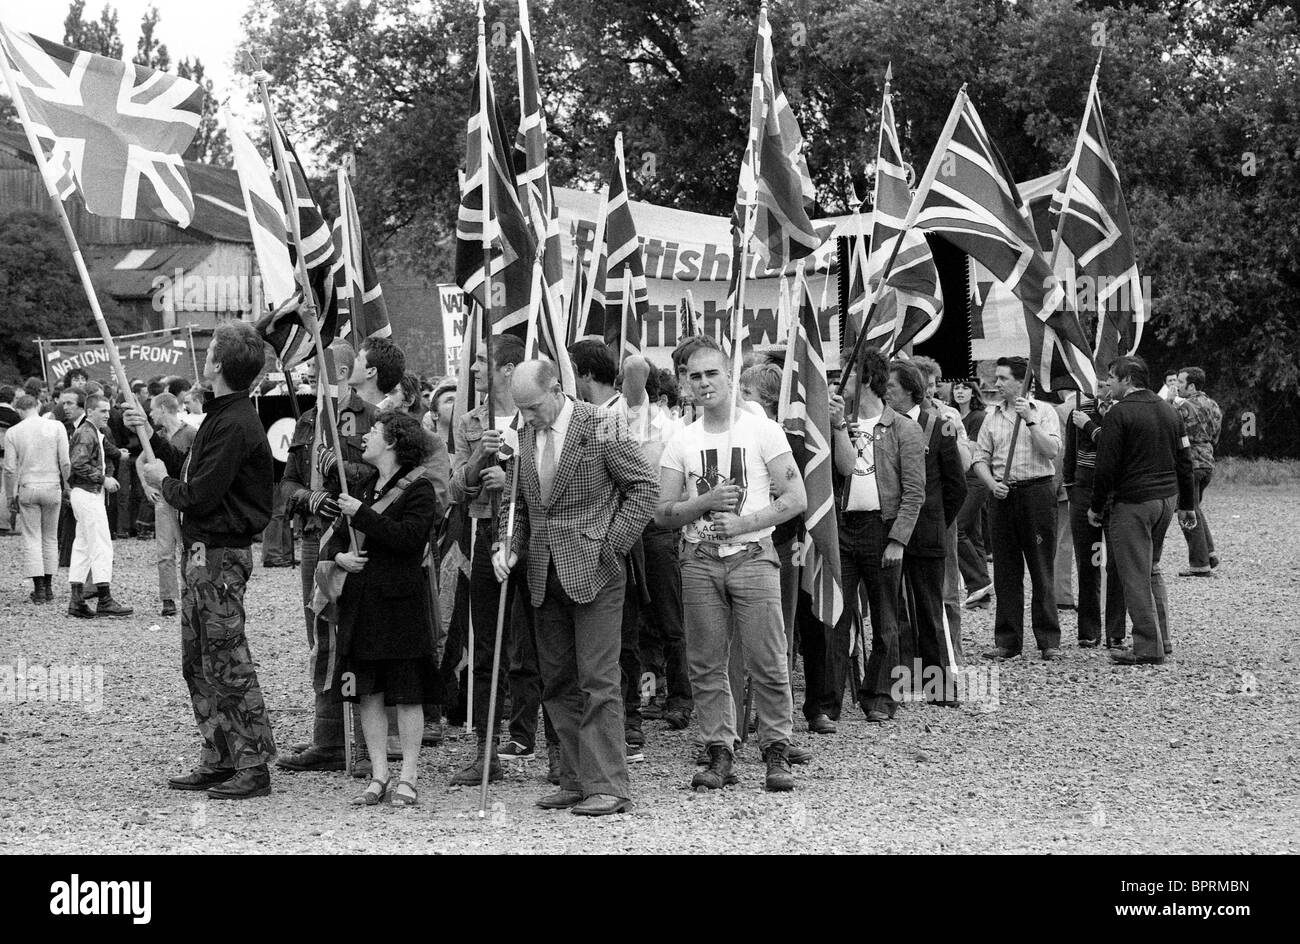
{"x": 790, "y": 473}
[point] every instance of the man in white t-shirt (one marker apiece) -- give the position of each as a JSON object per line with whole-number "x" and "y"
{"x": 728, "y": 479}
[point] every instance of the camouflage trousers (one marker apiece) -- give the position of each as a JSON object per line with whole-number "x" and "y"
{"x": 216, "y": 662}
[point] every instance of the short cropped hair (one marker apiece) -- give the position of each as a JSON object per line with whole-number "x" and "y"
{"x": 1133, "y": 369}
{"x": 688, "y": 346}
{"x": 668, "y": 386}
{"x": 240, "y": 351}
{"x": 404, "y": 433}
{"x": 25, "y": 401}
{"x": 7, "y": 394}
{"x": 165, "y": 401}
{"x": 1019, "y": 366}
{"x": 178, "y": 385}
{"x": 591, "y": 358}
{"x": 909, "y": 378}
{"x": 81, "y": 396}
{"x": 94, "y": 400}
{"x": 1194, "y": 376}
{"x": 507, "y": 349}
{"x": 387, "y": 359}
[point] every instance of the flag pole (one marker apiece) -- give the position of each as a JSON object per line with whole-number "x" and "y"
{"x": 598, "y": 240}
{"x": 485, "y": 159}
{"x": 913, "y": 211}
{"x": 308, "y": 315}
{"x": 1072, "y": 170}
{"x": 502, "y": 597}
{"x": 114, "y": 359}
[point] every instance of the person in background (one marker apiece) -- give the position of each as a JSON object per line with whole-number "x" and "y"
{"x": 192, "y": 401}
{"x": 69, "y": 411}
{"x": 1172, "y": 392}
{"x": 1203, "y": 421}
{"x": 971, "y": 553}
{"x": 1023, "y": 510}
{"x": 405, "y": 397}
{"x": 442, "y": 405}
{"x": 1144, "y": 467}
{"x": 386, "y": 644}
{"x": 164, "y": 415}
{"x": 8, "y": 418}
{"x": 1063, "y": 562}
{"x": 36, "y": 465}
{"x": 932, "y": 635}
{"x": 92, "y": 549}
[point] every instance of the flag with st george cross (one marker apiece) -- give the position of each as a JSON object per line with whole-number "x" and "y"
{"x": 113, "y": 130}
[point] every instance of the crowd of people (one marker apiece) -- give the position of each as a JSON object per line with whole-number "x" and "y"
{"x": 643, "y": 541}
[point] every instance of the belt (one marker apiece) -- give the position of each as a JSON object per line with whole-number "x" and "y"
{"x": 1023, "y": 483}
{"x": 848, "y": 514}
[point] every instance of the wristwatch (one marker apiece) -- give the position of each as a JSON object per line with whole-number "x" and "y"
{"x": 844, "y": 424}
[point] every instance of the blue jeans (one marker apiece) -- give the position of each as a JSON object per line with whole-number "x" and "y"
{"x": 743, "y": 592}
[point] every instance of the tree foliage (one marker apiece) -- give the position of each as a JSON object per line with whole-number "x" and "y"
{"x": 40, "y": 293}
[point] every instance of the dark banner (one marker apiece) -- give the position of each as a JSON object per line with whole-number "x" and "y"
{"x": 170, "y": 352}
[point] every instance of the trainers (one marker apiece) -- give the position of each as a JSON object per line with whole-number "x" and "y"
{"x": 514, "y": 750}
{"x": 634, "y": 753}
{"x": 979, "y": 597}
{"x": 780, "y": 777}
{"x": 634, "y": 736}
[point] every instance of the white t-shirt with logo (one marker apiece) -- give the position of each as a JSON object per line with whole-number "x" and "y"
{"x": 755, "y": 441}
{"x": 864, "y": 494}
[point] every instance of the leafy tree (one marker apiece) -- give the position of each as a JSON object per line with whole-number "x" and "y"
{"x": 98, "y": 36}
{"x": 40, "y": 292}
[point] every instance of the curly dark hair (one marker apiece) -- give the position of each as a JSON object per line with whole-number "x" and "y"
{"x": 404, "y": 433}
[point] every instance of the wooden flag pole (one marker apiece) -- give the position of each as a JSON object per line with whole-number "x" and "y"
{"x": 308, "y": 316}
{"x": 78, "y": 260}
{"x": 502, "y": 597}
{"x": 913, "y": 211}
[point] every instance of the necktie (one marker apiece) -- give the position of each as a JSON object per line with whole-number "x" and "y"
{"x": 546, "y": 468}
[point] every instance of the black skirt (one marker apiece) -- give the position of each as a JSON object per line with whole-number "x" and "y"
{"x": 402, "y": 681}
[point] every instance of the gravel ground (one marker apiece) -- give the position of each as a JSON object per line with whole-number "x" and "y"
{"x": 1199, "y": 755}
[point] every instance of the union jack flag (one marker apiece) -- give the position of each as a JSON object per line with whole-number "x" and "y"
{"x": 618, "y": 254}
{"x": 774, "y": 181}
{"x": 806, "y": 417}
{"x": 911, "y": 308}
{"x": 283, "y": 328}
{"x": 113, "y": 130}
{"x": 363, "y": 313}
{"x": 1097, "y": 232}
{"x": 974, "y": 204}
{"x": 266, "y": 220}
{"x": 547, "y": 313}
{"x": 489, "y": 208}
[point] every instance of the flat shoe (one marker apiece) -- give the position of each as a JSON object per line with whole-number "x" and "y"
{"x": 600, "y": 804}
{"x": 559, "y": 800}
{"x": 368, "y": 797}
{"x": 401, "y": 799}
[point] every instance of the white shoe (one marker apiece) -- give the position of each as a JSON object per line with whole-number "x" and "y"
{"x": 983, "y": 593}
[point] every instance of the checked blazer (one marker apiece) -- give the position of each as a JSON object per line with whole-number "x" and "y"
{"x": 602, "y": 497}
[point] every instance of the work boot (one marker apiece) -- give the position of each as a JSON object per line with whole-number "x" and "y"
{"x": 38, "y": 590}
{"x": 718, "y": 774}
{"x": 779, "y": 775}
{"x": 168, "y": 608}
{"x": 77, "y": 605}
{"x": 245, "y": 784}
{"x": 47, "y": 589}
{"x": 472, "y": 774}
{"x": 108, "y": 606}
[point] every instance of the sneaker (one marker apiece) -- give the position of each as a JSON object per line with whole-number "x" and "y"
{"x": 780, "y": 777}
{"x": 634, "y": 737}
{"x": 979, "y": 596}
{"x": 634, "y": 753}
{"x": 514, "y": 750}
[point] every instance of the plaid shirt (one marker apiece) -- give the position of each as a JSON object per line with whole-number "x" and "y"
{"x": 1203, "y": 420}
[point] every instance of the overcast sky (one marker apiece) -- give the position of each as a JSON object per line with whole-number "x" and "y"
{"x": 189, "y": 28}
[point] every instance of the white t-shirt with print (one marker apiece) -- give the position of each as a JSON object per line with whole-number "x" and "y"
{"x": 755, "y": 441}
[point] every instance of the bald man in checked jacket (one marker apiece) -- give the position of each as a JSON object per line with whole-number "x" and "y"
{"x": 585, "y": 494}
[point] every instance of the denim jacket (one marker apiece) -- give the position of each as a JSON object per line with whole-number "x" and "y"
{"x": 900, "y": 474}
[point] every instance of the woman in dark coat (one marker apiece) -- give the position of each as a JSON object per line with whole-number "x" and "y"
{"x": 385, "y": 641}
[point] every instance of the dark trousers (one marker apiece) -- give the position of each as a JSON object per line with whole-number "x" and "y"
{"x": 327, "y": 716}
{"x": 970, "y": 535}
{"x": 817, "y": 645}
{"x": 578, "y": 646}
{"x": 863, "y": 536}
{"x": 663, "y": 637}
{"x": 1137, "y": 537}
{"x": 1089, "y": 551}
{"x": 1024, "y": 535}
{"x": 67, "y": 532}
{"x": 629, "y": 653}
{"x": 277, "y": 539}
{"x": 1200, "y": 542}
{"x": 519, "y": 659}
{"x": 923, "y": 636}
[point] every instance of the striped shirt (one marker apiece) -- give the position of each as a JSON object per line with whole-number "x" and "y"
{"x": 995, "y": 439}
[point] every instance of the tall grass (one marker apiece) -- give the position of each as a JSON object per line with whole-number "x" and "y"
{"x": 1233, "y": 470}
